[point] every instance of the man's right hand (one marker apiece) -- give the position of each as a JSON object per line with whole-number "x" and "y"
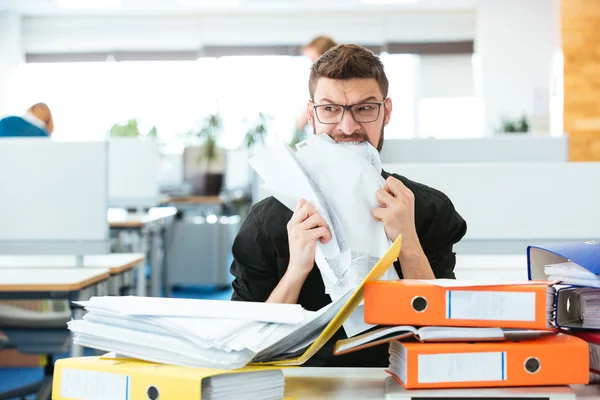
{"x": 304, "y": 229}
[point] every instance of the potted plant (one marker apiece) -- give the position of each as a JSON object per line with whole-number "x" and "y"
{"x": 520, "y": 125}
{"x": 256, "y": 132}
{"x": 204, "y": 161}
{"x": 129, "y": 129}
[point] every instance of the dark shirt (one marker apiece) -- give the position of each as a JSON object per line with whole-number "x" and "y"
{"x": 261, "y": 256}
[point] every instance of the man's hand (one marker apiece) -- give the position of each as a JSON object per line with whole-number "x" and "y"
{"x": 396, "y": 210}
{"x": 304, "y": 229}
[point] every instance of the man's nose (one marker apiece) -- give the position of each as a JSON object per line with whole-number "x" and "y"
{"x": 348, "y": 125}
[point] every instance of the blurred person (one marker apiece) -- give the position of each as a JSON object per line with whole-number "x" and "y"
{"x": 313, "y": 50}
{"x": 36, "y": 122}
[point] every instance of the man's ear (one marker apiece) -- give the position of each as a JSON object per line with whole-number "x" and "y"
{"x": 387, "y": 104}
{"x": 310, "y": 112}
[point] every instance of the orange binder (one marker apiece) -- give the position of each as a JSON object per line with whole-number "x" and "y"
{"x": 538, "y": 362}
{"x": 529, "y": 305}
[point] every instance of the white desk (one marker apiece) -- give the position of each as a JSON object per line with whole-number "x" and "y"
{"x": 18, "y": 280}
{"x": 72, "y": 284}
{"x": 370, "y": 383}
{"x": 119, "y": 265}
{"x": 148, "y": 227}
{"x": 491, "y": 266}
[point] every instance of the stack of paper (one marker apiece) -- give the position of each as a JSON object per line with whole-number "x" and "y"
{"x": 200, "y": 333}
{"x": 245, "y": 386}
{"x": 571, "y": 273}
{"x": 340, "y": 181}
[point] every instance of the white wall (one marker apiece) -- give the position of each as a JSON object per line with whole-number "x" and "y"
{"x": 11, "y": 56}
{"x": 69, "y": 34}
{"x": 516, "y": 43}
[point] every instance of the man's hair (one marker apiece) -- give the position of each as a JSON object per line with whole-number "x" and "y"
{"x": 348, "y": 61}
{"x": 321, "y": 44}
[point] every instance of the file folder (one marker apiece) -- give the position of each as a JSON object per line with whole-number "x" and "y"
{"x": 425, "y": 303}
{"x": 558, "y": 359}
{"x": 95, "y": 378}
{"x": 575, "y": 263}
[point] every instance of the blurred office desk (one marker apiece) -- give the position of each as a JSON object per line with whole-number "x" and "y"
{"x": 70, "y": 284}
{"x": 374, "y": 383}
{"x": 120, "y": 266}
{"x": 148, "y": 227}
{"x": 501, "y": 267}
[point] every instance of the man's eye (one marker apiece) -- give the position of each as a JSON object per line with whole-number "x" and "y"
{"x": 365, "y": 108}
{"x": 331, "y": 109}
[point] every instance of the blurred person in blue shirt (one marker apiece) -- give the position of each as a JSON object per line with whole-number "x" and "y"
{"x": 36, "y": 122}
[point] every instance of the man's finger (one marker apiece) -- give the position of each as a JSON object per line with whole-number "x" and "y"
{"x": 303, "y": 213}
{"x": 313, "y": 221}
{"x": 323, "y": 234}
{"x": 379, "y": 214}
{"x": 301, "y": 202}
{"x": 394, "y": 186}
{"x": 384, "y": 198}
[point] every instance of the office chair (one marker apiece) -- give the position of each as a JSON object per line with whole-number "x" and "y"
{"x": 39, "y": 327}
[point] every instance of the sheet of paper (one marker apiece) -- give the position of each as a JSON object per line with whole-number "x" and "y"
{"x": 223, "y": 309}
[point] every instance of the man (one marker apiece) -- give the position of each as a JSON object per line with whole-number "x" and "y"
{"x": 37, "y": 122}
{"x": 275, "y": 247}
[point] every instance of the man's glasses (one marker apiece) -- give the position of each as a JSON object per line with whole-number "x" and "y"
{"x": 362, "y": 113}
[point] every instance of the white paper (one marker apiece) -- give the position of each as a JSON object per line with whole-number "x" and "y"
{"x": 175, "y": 307}
{"x": 340, "y": 181}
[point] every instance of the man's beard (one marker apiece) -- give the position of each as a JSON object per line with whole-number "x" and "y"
{"x": 357, "y": 136}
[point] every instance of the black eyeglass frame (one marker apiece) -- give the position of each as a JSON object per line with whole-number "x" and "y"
{"x": 349, "y": 108}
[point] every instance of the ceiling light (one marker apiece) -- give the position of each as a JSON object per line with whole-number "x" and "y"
{"x": 389, "y": 1}
{"x": 208, "y": 3}
{"x": 88, "y": 4}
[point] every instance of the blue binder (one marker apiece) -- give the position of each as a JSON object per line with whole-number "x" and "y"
{"x": 584, "y": 254}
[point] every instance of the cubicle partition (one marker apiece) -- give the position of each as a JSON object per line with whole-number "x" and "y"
{"x": 133, "y": 172}
{"x": 508, "y": 206}
{"x": 54, "y": 197}
{"x": 507, "y": 148}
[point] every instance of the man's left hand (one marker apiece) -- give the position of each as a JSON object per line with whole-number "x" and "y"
{"x": 396, "y": 210}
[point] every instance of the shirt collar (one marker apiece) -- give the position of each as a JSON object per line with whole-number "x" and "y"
{"x": 32, "y": 119}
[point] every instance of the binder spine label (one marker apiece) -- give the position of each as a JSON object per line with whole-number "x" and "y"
{"x": 92, "y": 385}
{"x": 462, "y": 367}
{"x": 494, "y": 306}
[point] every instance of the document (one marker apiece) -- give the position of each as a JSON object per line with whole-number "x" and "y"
{"x": 340, "y": 181}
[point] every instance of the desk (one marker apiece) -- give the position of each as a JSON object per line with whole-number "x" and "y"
{"x": 148, "y": 227}
{"x": 73, "y": 284}
{"x": 370, "y": 383}
{"x": 120, "y": 266}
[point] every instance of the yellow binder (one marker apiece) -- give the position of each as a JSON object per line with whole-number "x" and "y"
{"x": 130, "y": 379}
{"x": 377, "y": 272}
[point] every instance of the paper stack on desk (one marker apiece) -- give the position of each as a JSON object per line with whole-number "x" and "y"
{"x": 199, "y": 333}
{"x": 340, "y": 181}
